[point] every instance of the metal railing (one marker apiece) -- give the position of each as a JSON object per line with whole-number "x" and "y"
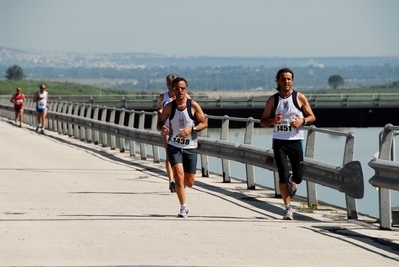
{"x": 315, "y": 100}
{"x": 99, "y": 124}
{"x": 386, "y": 177}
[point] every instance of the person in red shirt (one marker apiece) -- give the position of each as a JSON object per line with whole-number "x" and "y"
{"x": 18, "y": 99}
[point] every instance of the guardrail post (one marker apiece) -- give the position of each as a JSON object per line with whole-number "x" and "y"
{"x": 122, "y": 144}
{"x": 31, "y": 117}
{"x": 8, "y": 112}
{"x": 155, "y": 149}
{"x": 132, "y": 144}
{"x": 35, "y": 123}
{"x": 54, "y": 124}
{"x": 70, "y": 125}
{"x": 143, "y": 150}
{"x": 89, "y": 136}
{"x": 104, "y": 136}
{"x": 249, "y": 132}
{"x": 204, "y": 158}
{"x": 351, "y": 205}
{"x": 124, "y": 102}
{"x": 75, "y": 127}
{"x": 250, "y": 100}
{"x": 225, "y": 162}
{"x": 384, "y": 194}
{"x": 310, "y": 153}
{"x": 219, "y": 102}
{"x": 112, "y": 120}
{"x": 82, "y": 129}
{"x": 96, "y": 133}
{"x": 345, "y": 101}
{"x": 59, "y": 123}
{"x": 64, "y": 124}
{"x": 52, "y": 107}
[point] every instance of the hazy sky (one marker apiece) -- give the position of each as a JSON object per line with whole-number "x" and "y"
{"x": 271, "y": 28}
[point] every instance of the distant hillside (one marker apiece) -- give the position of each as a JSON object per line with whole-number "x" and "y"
{"x": 25, "y": 59}
{"x": 143, "y": 71}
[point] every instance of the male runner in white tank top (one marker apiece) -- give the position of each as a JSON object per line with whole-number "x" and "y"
{"x": 186, "y": 119}
{"x": 287, "y": 111}
{"x": 41, "y": 99}
{"x": 163, "y": 99}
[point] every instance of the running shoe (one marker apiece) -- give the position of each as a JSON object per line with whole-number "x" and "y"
{"x": 42, "y": 131}
{"x": 183, "y": 212}
{"x": 172, "y": 186}
{"x": 291, "y": 186}
{"x": 289, "y": 214}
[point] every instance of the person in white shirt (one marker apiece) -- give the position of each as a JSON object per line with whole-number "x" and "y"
{"x": 41, "y": 99}
{"x": 163, "y": 99}
{"x": 287, "y": 111}
{"x": 186, "y": 118}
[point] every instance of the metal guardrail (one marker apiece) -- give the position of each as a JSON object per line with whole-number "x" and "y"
{"x": 315, "y": 100}
{"x": 386, "y": 177}
{"x": 98, "y": 124}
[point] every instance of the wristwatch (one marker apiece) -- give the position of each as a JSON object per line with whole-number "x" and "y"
{"x": 304, "y": 121}
{"x": 194, "y": 129}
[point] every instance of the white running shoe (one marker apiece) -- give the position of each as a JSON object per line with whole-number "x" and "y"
{"x": 289, "y": 214}
{"x": 183, "y": 212}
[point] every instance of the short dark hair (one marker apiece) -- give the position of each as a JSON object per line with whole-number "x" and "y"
{"x": 171, "y": 77}
{"x": 178, "y": 79}
{"x": 42, "y": 86}
{"x": 284, "y": 70}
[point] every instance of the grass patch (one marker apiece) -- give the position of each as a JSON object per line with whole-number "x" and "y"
{"x": 308, "y": 208}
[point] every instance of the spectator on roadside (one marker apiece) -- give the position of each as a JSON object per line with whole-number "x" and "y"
{"x": 288, "y": 111}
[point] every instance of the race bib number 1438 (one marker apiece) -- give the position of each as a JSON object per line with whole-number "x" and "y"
{"x": 181, "y": 141}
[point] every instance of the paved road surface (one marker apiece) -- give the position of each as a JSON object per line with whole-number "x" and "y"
{"x": 67, "y": 203}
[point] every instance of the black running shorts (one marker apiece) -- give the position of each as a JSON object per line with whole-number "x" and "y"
{"x": 188, "y": 157}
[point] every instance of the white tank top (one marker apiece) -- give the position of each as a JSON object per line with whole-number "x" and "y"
{"x": 289, "y": 110}
{"x": 42, "y": 104}
{"x": 165, "y": 101}
{"x": 179, "y": 120}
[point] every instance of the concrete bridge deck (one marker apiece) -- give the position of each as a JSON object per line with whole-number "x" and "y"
{"x": 64, "y": 202}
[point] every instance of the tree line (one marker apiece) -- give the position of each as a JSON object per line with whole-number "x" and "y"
{"x": 234, "y": 78}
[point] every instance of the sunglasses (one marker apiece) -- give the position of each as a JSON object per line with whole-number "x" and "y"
{"x": 180, "y": 88}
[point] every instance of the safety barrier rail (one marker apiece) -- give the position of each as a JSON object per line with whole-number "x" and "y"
{"x": 99, "y": 124}
{"x": 315, "y": 100}
{"x": 386, "y": 177}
